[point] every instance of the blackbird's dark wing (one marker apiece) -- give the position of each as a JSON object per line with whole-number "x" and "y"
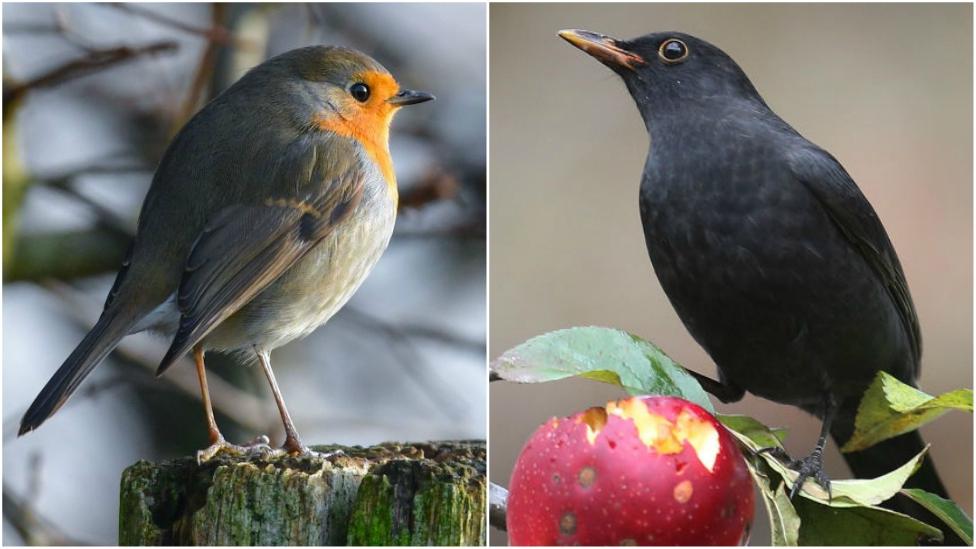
{"x": 857, "y": 221}
{"x": 243, "y": 249}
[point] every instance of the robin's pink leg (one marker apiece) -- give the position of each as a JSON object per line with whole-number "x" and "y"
{"x": 217, "y": 442}
{"x": 293, "y": 443}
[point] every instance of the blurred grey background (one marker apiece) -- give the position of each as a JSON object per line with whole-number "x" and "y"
{"x": 886, "y": 88}
{"x": 91, "y": 96}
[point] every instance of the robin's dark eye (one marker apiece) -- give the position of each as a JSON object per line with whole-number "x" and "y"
{"x": 673, "y": 51}
{"x": 360, "y": 91}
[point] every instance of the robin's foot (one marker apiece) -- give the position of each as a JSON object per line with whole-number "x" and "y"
{"x": 258, "y": 446}
{"x": 294, "y": 447}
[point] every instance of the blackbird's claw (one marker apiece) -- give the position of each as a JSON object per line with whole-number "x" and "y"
{"x": 777, "y": 452}
{"x": 810, "y": 467}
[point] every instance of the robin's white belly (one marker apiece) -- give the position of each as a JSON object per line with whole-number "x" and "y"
{"x": 314, "y": 289}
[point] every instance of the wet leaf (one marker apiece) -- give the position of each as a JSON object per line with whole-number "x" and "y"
{"x": 758, "y": 435}
{"x": 602, "y": 354}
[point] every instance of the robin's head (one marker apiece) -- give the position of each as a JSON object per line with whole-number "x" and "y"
{"x": 665, "y": 70}
{"x": 338, "y": 89}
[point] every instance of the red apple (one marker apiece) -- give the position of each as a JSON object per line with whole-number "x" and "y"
{"x": 642, "y": 471}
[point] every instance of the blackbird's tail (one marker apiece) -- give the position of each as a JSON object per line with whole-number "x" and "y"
{"x": 888, "y": 455}
{"x": 100, "y": 341}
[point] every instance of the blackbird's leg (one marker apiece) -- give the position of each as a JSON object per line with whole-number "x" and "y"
{"x": 812, "y": 466}
{"x": 217, "y": 442}
{"x": 293, "y": 444}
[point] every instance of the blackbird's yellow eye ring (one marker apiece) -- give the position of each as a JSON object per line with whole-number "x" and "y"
{"x": 673, "y": 51}
{"x": 359, "y": 91}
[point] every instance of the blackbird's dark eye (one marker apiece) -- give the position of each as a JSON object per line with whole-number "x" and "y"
{"x": 672, "y": 51}
{"x": 359, "y": 91}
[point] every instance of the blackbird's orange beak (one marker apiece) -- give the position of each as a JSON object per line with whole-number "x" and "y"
{"x": 409, "y": 97}
{"x": 603, "y": 48}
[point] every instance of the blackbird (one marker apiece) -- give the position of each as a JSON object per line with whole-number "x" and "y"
{"x": 770, "y": 254}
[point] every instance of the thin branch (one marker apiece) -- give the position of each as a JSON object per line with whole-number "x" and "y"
{"x": 438, "y": 334}
{"x": 408, "y": 355}
{"x": 203, "y": 75}
{"x": 32, "y": 529}
{"x": 473, "y": 230}
{"x": 436, "y": 185}
{"x": 216, "y": 33}
{"x": 93, "y": 61}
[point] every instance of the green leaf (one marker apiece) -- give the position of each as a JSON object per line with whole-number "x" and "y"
{"x": 853, "y": 526}
{"x": 948, "y": 511}
{"x": 748, "y": 429}
{"x": 852, "y": 492}
{"x": 890, "y": 408}
{"x": 784, "y": 523}
{"x": 602, "y": 354}
{"x": 868, "y": 492}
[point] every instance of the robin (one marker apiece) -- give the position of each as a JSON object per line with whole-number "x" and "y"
{"x": 266, "y": 213}
{"x": 770, "y": 254}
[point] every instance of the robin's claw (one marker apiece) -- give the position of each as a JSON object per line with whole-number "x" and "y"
{"x": 257, "y": 447}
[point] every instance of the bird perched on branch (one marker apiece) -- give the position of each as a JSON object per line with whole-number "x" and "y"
{"x": 266, "y": 213}
{"x": 770, "y": 254}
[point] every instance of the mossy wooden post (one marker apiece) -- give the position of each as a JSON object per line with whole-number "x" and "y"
{"x": 392, "y": 494}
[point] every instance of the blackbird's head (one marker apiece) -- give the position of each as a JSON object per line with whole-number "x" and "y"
{"x": 667, "y": 70}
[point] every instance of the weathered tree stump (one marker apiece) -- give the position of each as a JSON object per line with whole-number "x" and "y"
{"x": 391, "y": 494}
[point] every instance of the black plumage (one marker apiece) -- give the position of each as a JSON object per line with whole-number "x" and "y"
{"x": 770, "y": 254}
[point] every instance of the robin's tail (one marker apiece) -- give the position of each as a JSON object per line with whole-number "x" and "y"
{"x": 100, "y": 341}
{"x": 888, "y": 455}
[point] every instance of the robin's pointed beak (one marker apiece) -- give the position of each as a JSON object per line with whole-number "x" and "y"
{"x": 409, "y": 97}
{"x": 603, "y": 48}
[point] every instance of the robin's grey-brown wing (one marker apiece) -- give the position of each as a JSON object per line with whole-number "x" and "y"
{"x": 247, "y": 247}
{"x": 855, "y": 218}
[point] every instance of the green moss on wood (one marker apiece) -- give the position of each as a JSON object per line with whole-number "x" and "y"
{"x": 428, "y": 501}
{"x": 389, "y": 494}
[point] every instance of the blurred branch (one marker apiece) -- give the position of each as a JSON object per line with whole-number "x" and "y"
{"x": 436, "y": 185}
{"x": 65, "y": 255}
{"x": 20, "y": 513}
{"x": 497, "y": 506}
{"x": 203, "y": 75}
{"x": 408, "y": 355}
{"x": 106, "y": 219}
{"x": 94, "y": 61}
{"x": 438, "y": 334}
{"x": 474, "y": 230}
{"x": 215, "y": 34}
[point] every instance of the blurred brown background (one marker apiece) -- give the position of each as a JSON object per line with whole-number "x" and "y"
{"x": 886, "y": 88}
{"x": 92, "y": 95}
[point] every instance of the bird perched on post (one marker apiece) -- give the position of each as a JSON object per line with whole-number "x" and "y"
{"x": 266, "y": 213}
{"x": 770, "y": 254}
